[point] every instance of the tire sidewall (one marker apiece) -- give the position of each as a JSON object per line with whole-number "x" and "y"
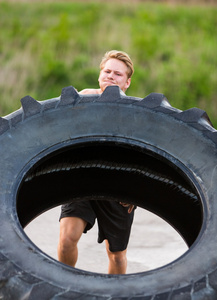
{"x": 25, "y": 144}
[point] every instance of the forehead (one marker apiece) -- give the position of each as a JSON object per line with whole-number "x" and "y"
{"x": 115, "y": 65}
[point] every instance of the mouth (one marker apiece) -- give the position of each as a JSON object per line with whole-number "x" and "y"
{"x": 110, "y": 82}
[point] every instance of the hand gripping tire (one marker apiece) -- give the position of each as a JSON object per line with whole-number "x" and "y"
{"x": 108, "y": 147}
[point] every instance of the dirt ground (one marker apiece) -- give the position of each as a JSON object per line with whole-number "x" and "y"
{"x": 153, "y": 243}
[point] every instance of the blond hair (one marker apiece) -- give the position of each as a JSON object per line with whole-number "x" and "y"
{"x": 123, "y": 56}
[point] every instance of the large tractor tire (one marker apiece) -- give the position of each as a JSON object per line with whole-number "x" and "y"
{"x": 116, "y": 148}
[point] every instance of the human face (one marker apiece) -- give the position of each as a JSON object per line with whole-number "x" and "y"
{"x": 114, "y": 73}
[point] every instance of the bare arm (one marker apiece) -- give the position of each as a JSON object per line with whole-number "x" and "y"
{"x": 90, "y": 91}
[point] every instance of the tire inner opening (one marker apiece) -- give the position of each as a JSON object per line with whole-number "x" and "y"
{"x": 111, "y": 171}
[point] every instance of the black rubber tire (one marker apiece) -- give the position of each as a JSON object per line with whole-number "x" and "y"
{"x": 108, "y": 147}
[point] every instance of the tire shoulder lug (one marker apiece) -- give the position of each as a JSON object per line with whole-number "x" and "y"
{"x": 111, "y": 94}
{"x": 69, "y": 95}
{"x": 154, "y": 100}
{"x": 30, "y": 106}
{"x": 194, "y": 115}
{"x": 4, "y": 125}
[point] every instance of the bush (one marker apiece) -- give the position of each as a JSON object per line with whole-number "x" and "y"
{"x": 45, "y": 47}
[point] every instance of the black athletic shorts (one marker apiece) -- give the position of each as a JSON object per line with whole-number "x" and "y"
{"x": 114, "y": 221}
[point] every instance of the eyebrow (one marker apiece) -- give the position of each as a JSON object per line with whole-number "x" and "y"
{"x": 117, "y": 71}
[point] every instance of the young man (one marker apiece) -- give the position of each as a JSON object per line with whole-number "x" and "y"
{"x": 116, "y": 69}
{"x": 114, "y": 219}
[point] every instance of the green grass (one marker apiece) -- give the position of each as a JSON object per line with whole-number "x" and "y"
{"x": 47, "y": 46}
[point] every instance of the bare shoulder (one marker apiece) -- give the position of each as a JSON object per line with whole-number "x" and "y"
{"x": 90, "y": 91}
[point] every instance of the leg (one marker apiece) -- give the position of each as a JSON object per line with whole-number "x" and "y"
{"x": 117, "y": 261}
{"x": 71, "y": 229}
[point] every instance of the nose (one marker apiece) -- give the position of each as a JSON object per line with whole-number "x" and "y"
{"x": 110, "y": 75}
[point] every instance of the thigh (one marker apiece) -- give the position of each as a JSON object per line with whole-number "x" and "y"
{"x": 117, "y": 254}
{"x": 72, "y": 228}
{"x": 114, "y": 223}
{"x": 82, "y": 210}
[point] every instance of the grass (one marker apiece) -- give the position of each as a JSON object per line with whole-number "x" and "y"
{"x": 47, "y": 46}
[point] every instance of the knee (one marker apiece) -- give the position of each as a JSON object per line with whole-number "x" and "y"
{"x": 67, "y": 242}
{"x": 118, "y": 258}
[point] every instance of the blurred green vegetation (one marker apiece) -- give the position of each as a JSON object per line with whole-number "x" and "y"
{"x": 47, "y": 46}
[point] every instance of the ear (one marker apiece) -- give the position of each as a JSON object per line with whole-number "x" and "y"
{"x": 128, "y": 82}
